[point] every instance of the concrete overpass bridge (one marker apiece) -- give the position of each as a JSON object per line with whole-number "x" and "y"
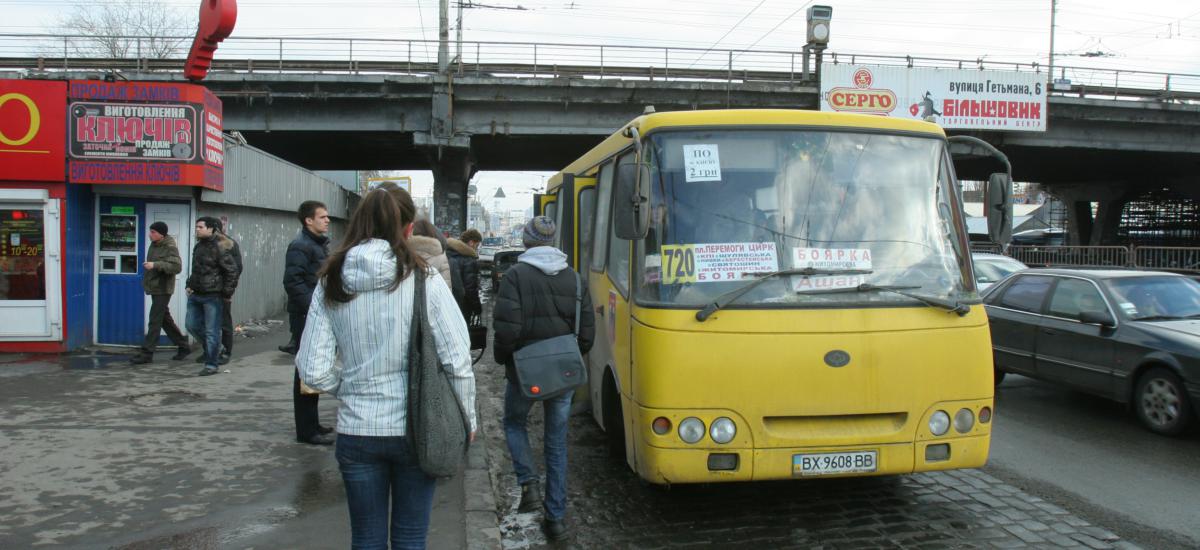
{"x": 371, "y": 104}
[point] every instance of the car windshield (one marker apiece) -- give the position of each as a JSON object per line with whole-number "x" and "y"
{"x": 990, "y": 270}
{"x": 1162, "y": 297}
{"x": 731, "y": 206}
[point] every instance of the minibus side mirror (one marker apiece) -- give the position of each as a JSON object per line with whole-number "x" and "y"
{"x": 631, "y": 208}
{"x": 999, "y": 208}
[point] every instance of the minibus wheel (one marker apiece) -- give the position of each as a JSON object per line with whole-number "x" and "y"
{"x": 614, "y": 424}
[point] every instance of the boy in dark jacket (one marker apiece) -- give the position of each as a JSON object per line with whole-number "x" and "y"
{"x": 537, "y": 301}
{"x": 464, "y": 271}
{"x": 213, "y": 279}
{"x": 162, "y": 264}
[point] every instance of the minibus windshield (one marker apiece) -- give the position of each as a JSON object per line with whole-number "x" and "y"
{"x": 730, "y": 206}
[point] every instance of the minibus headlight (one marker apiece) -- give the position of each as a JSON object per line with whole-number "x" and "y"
{"x": 964, "y": 420}
{"x": 691, "y": 430}
{"x": 939, "y": 423}
{"x": 722, "y": 430}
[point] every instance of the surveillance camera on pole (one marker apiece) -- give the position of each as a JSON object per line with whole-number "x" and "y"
{"x": 818, "y": 25}
{"x": 818, "y": 34}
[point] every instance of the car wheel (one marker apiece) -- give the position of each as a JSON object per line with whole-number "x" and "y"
{"x": 999, "y": 375}
{"x": 1161, "y": 402}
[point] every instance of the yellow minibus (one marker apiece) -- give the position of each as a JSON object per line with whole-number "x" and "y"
{"x": 778, "y": 294}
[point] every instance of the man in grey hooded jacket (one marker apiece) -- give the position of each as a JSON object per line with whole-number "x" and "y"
{"x": 537, "y": 301}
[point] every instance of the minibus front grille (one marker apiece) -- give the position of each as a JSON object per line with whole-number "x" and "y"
{"x": 868, "y": 427}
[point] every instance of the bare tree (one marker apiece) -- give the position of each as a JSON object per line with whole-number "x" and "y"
{"x": 129, "y": 28}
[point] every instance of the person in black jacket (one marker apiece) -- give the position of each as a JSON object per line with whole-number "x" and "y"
{"x": 229, "y": 245}
{"x": 464, "y": 271}
{"x": 537, "y": 301}
{"x": 305, "y": 256}
{"x": 213, "y": 279}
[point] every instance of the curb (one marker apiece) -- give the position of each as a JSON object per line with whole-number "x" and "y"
{"x": 482, "y": 522}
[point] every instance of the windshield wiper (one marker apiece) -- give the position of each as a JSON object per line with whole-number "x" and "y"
{"x": 957, "y": 307}
{"x": 727, "y": 298}
{"x": 1160, "y": 318}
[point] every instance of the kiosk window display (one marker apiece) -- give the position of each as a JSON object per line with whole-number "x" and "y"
{"x": 119, "y": 244}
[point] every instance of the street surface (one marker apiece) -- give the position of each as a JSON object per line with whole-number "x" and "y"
{"x": 1091, "y": 455}
{"x": 1067, "y": 471}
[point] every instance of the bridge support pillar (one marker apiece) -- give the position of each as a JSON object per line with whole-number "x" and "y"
{"x": 452, "y": 169}
{"x": 1085, "y": 228}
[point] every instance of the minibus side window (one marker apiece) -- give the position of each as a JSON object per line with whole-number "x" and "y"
{"x": 587, "y": 221}
{"x": 603, "y": 202}
{"x": 618, "y": 249}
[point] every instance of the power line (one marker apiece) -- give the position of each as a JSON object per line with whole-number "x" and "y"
{"x": 785, "y": 20}
{"x": 735, "y": 25}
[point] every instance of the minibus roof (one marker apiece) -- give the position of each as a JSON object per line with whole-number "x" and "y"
{"x": 739, "y": 117}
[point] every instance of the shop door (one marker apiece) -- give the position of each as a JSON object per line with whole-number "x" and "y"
{"x": 30, "y": 267}
{"x": 178, "y": 218}
{"x": 120, "y": 251}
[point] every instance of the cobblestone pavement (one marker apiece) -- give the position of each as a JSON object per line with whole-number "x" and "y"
{"x": 609, "y": 507}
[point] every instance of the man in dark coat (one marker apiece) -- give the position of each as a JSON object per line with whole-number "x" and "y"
{"x": 213, "y": 279}
{"x": 537, "y": 301}
{"x": 305, "y": 255}
{"x": 229, "y": 245}
{"x": 158, "y": 280}
{"x": 464, "y": 271}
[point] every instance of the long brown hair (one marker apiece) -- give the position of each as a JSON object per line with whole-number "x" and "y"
{"x": 381, "y": 215}
{"x": 425, "y": 228}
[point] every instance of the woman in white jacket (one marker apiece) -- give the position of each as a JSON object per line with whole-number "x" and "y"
{"x": 360, "y": 313}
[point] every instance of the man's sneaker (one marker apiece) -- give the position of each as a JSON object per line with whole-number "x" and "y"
{"x": 531, "y": 497}
{"x": 318, "y": 439}
{"x": 555, "y": 529}
{"x": 290, "y": 348}
{"x": 140, "y": 359}
{"x": 207, "y": 372}
{"x": 223, "y": 359}
{"x": 183, "y": 353}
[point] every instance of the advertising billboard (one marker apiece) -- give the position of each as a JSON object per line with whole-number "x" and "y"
{"x": 144, "y": 133}
{"x": 952, "y": 98}
{"x": 31, "y": 125}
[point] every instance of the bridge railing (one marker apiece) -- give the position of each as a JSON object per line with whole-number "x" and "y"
{"x": 538, "y": 59}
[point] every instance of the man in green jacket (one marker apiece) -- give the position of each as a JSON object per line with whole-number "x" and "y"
{"x": 158, "y": 280}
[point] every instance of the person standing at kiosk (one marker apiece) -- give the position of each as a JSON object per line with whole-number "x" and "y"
{"x": 158, "y": 280}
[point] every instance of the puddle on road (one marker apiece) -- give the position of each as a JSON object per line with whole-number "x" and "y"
{"x": 93, "y": 361}
{"x": 162, "y": 398}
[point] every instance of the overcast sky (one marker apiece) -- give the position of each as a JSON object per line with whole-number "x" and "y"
{"x": 1148, "y": 35}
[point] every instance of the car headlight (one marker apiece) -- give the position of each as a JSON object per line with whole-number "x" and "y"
{"x": 964, "y": 420}
{"x": 691, "y": 430}
{"x": 939, "y": 423}
{"x": 722, "y": 430}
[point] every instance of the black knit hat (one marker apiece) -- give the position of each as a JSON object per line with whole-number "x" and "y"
{"x": 160, "y": 228}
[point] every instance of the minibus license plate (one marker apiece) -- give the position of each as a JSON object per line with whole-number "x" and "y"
{"x": 822, "y": 464}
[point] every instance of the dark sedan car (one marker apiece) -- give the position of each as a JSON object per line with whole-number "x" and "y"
{"x": 501, "y": 261}
{"x": 1131, "y": 336}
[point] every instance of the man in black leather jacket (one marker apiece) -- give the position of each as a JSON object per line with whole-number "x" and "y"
{"x": 305, "y": 255}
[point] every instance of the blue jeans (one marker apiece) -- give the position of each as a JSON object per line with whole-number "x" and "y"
{"x": 556, "y": 411}
{"x": 204, "y": 324}
{"x": 374, "y": 469}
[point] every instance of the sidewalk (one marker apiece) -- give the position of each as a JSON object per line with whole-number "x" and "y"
{"x": 98, "y": 453}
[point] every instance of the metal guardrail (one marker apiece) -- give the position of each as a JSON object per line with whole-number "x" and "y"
{"x": 367, "y": 55}
{"x": 1168, "y": 258}
{"x": 1071, "y": 256}
{"x": 1165, "y": 258}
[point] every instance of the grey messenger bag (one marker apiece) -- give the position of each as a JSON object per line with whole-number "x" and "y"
{"x": 551, "y": 367}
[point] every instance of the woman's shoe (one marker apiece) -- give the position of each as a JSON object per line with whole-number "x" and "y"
{"x": 555, "y": 529}
{"x": 531, "y": 497}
